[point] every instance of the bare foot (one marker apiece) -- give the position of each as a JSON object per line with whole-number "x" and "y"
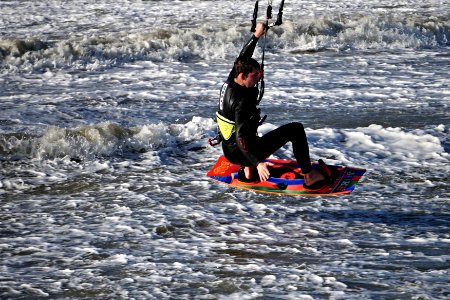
{"x": 248, "y": 171}
{"x": 313, "y": 177}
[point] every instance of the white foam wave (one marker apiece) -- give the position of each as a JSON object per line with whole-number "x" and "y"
{"x": 103, "y": 139}
{"x": 364, "y": 146}
{"x": 206, "y": 42}
{"x": 362, "y": 32}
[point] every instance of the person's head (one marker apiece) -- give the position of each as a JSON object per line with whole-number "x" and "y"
{"x": 247, "y": 71}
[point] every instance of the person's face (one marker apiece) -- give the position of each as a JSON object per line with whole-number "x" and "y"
{"x": 252, "y": 78}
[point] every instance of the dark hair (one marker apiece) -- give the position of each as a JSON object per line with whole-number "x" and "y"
{"x": 245, "y": 65}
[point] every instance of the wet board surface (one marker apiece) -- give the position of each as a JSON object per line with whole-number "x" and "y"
{"x": 286, "y": 178}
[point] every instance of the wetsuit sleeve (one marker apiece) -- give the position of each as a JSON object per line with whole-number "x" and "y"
{"x": 249, "y": 47}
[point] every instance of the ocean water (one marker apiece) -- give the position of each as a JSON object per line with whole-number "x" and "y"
{"x": 105, "y": 112}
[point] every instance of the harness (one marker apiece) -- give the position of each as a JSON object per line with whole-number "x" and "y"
{"x": 226, "y": 127}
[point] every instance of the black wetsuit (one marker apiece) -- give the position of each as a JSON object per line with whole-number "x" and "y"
{"x": 239, "y": 104}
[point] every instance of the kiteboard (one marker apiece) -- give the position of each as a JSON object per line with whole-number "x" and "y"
{"x": 286, "y": 178}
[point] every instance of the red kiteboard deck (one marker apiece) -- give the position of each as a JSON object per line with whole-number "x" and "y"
{"x": 286, "y": 178}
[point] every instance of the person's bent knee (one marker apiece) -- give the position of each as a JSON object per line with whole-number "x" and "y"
{"x": 296, "y": 126}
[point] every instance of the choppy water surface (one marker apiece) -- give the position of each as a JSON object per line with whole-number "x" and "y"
{"x": 105, "y": 112}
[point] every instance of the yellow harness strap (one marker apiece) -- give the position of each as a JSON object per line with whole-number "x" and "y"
{"x": 226, "y": 127}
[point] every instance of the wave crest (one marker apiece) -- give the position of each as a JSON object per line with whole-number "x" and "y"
{"x": 103, "y": 139}
{"x": 208, "y": 43}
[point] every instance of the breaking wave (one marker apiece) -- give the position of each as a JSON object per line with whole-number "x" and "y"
{"x": 207, "y": 42}
{"x": 103, "y": 140}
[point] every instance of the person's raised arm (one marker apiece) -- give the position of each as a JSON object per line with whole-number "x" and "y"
{"x": 249, "y": 47}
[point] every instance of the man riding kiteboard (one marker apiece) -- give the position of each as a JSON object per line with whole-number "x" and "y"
{"x": 238, "y": 118}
